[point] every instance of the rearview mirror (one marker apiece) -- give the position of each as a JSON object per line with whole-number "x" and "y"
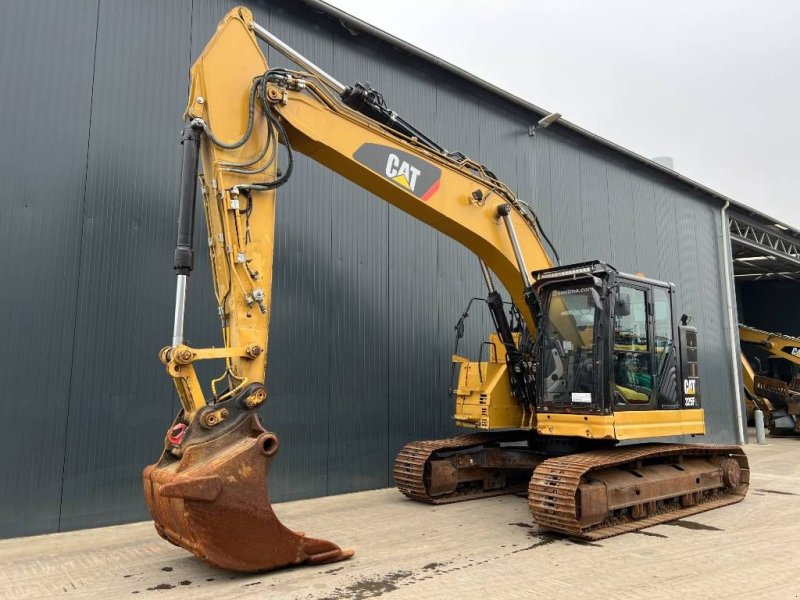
{"x": 623, "y": 305}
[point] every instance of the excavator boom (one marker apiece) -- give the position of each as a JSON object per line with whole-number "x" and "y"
{"x": 206, "y": 492}
{"x": 778, "y": 345}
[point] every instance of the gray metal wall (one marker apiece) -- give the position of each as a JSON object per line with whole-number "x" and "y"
{"x": 365, "y": 298}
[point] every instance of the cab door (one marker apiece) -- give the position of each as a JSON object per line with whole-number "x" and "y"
{"x": 633, "y": 353}
{"x": 644, "y": 372}
{"x": 665, "y": 357}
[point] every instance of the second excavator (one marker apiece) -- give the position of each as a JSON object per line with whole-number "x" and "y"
{"x": 585, "y": 357}
{"x": 775, "y": 389}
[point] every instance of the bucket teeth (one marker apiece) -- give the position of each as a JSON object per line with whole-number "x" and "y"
{"x": 213, "y": 501}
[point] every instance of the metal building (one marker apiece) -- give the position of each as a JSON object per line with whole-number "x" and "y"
{"x": 365, "y": 298}
{"x": 766, "y": 256}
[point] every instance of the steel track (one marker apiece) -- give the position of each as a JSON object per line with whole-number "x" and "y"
{"x": 552, "y": 492}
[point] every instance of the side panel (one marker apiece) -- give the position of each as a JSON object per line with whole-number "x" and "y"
{"x": 628, "y": 425}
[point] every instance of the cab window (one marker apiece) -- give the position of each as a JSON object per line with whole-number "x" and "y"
{"x": 568, "y": 347}
{"x": 633, "y": 373}
{"x": 662, "y": 327}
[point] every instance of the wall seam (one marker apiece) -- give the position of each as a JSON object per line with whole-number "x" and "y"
{"x": 80, "y": 264}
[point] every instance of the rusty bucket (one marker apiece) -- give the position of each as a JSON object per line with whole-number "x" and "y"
{"x": 208, "y": 494}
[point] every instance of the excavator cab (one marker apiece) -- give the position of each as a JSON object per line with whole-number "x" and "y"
{"x": 610, "y": 361}
{"x": 609, "y": 342}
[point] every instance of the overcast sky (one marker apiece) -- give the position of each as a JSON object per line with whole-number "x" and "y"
{"x": 715, "y": 84}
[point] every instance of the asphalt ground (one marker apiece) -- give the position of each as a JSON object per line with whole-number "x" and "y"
{"x": 480, "y": 549}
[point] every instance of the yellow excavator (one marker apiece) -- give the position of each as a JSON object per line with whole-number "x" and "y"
{"x": 584, "y": 358}
{"x": 752, "y": 401}
{"x": 775, "y": 390}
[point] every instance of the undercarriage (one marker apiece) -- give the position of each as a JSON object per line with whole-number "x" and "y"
{"x": 592, "y": 493}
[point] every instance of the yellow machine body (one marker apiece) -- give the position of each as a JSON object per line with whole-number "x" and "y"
{"x": 209, "y": 480}
{"x": 484, "y": 401}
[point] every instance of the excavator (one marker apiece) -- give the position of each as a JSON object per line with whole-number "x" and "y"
{"x": 752, "y": 401}
{"x": 776, "y": 389}
{"x": 581, "y": 358}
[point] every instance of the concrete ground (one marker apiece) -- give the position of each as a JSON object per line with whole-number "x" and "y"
{"x": 480, "y": 549}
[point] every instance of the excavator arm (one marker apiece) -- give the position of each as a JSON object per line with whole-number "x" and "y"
{"x": 237, "y": 116}
{"x": 776, "y": 344}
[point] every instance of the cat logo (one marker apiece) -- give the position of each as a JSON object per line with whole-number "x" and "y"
{"x": 401, "y": 171}
{"x": 405, "y": 170}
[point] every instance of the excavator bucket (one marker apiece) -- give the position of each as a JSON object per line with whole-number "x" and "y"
{"x": 208, "y": 494}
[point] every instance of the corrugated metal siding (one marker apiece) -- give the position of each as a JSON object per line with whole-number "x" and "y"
{"x": 117, "y": 404}
{"x": 594, "y": 206}
{"x": 365, "y": 298}
{"x": 710, "y": 319}
{"x": 566, "y": 227}
{"x": 45, "y": 98}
